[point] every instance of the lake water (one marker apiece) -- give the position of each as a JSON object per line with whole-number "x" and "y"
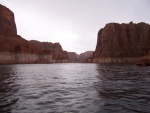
{"x": 74, "y": 88}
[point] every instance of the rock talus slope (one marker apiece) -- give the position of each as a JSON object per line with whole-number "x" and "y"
{"x": 144, "y": 61}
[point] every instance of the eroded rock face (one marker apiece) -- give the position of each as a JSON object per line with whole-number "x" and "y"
{"x": 53, "y": 49}
{"x": 7, "y": 22}
{"x": 18, "y": 50}
{"x": 73, "y": 57}
{"x": 15, "y": 49}
{"x": 85, "y": 55}
{"x": 122, "y": 43}
{"x": 144, "y": 61}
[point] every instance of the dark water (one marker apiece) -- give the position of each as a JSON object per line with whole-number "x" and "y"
{"x": 74, "y": 88}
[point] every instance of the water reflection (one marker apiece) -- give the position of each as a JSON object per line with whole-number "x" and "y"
{"x": 123, "y": 88}
{"x": 74, "y": 88}
{"x": 7, "y": 88}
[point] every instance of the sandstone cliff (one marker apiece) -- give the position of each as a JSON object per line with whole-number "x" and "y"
{"x": 15, "y": 49}
{"x": 121, "y": 43}
{"x": 73, "y": 57}
{"x": 7, "y": 22}
{"x": 85, "y": 55}
{"x": 55, "y": 50}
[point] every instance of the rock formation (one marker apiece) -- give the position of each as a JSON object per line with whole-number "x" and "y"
{"x": 7, "y": 22}
{"x": 73, "y": 57}
{"x": 15, "y": 49}
{"x": 58, "y": 55}
{"x": 85, "y": 55}
{"x": 122, "y": 43}
{"x": 144, "y": 61}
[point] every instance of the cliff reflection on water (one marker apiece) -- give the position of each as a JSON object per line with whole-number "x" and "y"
{"x": 8, "y": 88}
{"x": 124, "y": 88}
{"x": 74, "y": 88}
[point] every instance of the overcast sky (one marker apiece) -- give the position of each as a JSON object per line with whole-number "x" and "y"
{"x": 73, "y": 23}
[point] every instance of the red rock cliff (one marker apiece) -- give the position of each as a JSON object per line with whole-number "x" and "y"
{"x": 85, "y": 55}
{"x": 73, "y": 57}
{"x": 15, "y": 49}
{"x": 53, "y": 49}
{"x": 122, "y": 43}
{"x": 7, "y": 22}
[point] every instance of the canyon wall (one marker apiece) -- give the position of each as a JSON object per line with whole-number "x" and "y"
{"x": 7, "y": 22}
{"x": 73, "y": 57}
{"x": 79, "y": 58}
{"x": 15, "y": 49}
{"x": 85, "y": 55}
{"x": 121, "y": 43}
{"x": 54, "y": 49}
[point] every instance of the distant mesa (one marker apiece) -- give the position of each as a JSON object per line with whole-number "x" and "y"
{"x": 15, "y": 49}
{"x": 122, "y": 43}
{"x": 75, "y": 58}
{"x": 85, "y": 55}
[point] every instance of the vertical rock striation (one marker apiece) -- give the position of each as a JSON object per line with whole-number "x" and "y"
{"x": 55, "y": 50}
{"x": 7, "y": 22}
{"x": 121, "y": 43}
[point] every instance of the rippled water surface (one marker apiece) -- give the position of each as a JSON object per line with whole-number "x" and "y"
{"x": 74, "y": 88}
